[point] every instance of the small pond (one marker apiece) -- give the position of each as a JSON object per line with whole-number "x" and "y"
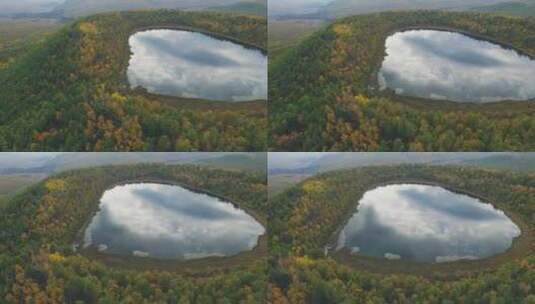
{"x": 451, "y": 66}
{"x": 169, "y": 222}
{"x": 194, "y": 65}
{"x": 429, "y": 224}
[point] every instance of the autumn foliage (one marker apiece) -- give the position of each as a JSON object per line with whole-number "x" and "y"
{"x": 324, "y": 97}
{"x": 304, "y": 218}
{"x": 39, "y": 226}
{"x": 71, "y": 93}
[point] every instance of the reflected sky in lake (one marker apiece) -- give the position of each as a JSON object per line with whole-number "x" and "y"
{"x": 169, "y": 222}
{"x": 194, "y": 65}
{"x": 426, "y": 224}
{"x": 451, "y": 66}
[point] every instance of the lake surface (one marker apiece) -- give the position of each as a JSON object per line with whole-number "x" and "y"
{"x": 169, "y": 222}
{"x": 452, "y": 66}
{"x": 427, "y": 224}
{"x": 194, "y": 65}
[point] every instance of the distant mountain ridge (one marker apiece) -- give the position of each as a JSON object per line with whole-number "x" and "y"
{"x": 8, "y": 7}
{"x": 524, "y": 8}
{"x": 343, "y": 8}
{"x": 248, "y": 7}
{"x": 350, "y": 7}
{"x": 71, "y": 9}
{"x": 66, "y": 161}
{"x": 77, "y": 8}
{"x": 337, "y": 161}
{"x": 522, "y": 162}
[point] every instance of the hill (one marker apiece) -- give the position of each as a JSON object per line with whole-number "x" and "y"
{"x": 322, "y": 97}
{"x": 332, "y": 9}
{"x": 522, "y": 162}
{"x": 284, "y": 35}
{"x": 522, "y": 9}
{"x": 256, "y": 162}
{"x": 19, "y": 36}
{"x": 78, "y": 8}
{"x": 254, "y": 7}
{"x": 39, "y": 226}
{"x": 340, "y": 8}
{"x": 12, "y": 184}
{"x": 19, "y": 171}
{"x": 50, "y": 163}
{"x": 70, "y": 94}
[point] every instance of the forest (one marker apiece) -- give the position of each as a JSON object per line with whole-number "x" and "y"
{"x": 38, "y": 226}
{"x": 70, "y": 92}
{"x": 322, "y": 96}
{"x": 20, "y": 36}
{"x": 304, "y": 218}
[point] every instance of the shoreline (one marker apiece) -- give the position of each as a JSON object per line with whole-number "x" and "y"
{"x": 518, "y": 248}
{"x": 125, "y": 261}
{"x": 374, "y": 85}
{"x": 128, "y": 89}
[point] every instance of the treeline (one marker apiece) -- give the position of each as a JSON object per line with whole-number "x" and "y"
{"x": 72, "y": 93}
{"x": 38, "y": 227}
{"x": 305, "y": 217}
{"x": 323, "y": 92}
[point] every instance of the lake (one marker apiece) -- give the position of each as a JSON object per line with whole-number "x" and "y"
{"x": 194, "y": 65}
{"x": 428, "y": 224}
{"x": 169, "y": 222}
{"x": 451, "y": 66}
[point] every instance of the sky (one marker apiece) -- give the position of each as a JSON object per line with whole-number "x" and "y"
{"x": 27, "y": 6}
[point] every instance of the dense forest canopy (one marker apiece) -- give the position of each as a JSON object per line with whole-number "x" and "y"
{"x": 71, "y": 93}
{"x": 304, "y": 218}
{"x": 322, "y": 96}
{"x": 37, "y": 263}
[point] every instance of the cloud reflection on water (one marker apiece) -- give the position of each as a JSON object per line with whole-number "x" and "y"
{"x": 170, "y": 222}
{"x": 445, "y": 65}
{"x": 194, "y": 65}
{"x": 426, "y": 224}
